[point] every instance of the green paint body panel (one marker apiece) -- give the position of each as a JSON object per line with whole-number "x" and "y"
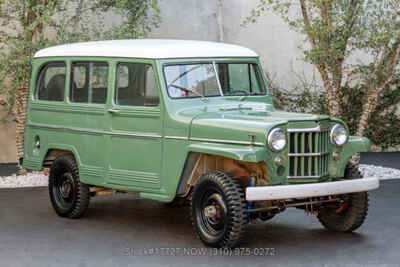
{"x": 144, "y": 149}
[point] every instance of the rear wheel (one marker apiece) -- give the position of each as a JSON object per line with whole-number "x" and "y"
{"x": 350, "y": 212}
{"x": 69, "y": 197}
{"x": 218, "y": 210}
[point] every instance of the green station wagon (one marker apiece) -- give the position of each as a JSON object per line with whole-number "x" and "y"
{"x": 186, "y": 122}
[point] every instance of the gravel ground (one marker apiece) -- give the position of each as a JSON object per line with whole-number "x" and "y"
{"x": 29, "y": 180}
{"x": 39, "y": 179}
{"x": 382, "y": 173}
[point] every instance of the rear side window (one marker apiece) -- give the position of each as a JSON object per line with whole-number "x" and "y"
{"x": 51, "y": 82}
{"x": 136, "y": 85}
{"x": 89, "y": 82}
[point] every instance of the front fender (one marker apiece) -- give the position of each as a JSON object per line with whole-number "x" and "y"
{"x": 237, "y": 152}
{"x": 356, "y": 144}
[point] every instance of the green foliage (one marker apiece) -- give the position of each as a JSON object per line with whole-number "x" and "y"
{"x": 305, "y": 97}
{"x": 309, "y": 97}
{"x": 337, "y": 30}
{"x": 138, "y": 19}
{"x": 384, "y": 123}
{"x": 27, "y": 26}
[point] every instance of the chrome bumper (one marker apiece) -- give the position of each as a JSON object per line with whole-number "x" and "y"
{"x": 310, "y": 190}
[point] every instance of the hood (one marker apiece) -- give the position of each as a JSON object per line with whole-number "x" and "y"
{"x": 235, "y": 123}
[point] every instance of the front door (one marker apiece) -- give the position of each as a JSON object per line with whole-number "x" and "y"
{"x": 135, "y": 140}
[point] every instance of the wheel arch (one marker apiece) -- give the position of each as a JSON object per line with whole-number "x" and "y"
{"x": 55, "y": 150}
{"x": 241, "y": 162}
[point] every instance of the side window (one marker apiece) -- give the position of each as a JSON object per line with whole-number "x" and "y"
{"x": 89, "y": 82}
{"x": 239, "y": 77}
{"x": 136, "y": 85}
{"x": 123, "y": 76}
{"x": 51, "y": 82}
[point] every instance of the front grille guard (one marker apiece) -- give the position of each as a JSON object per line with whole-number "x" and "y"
{"x": 308, "y": 152}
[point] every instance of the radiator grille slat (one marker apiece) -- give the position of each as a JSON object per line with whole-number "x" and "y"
{"x": 308, "y": 153}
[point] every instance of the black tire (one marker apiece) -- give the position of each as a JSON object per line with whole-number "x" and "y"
{"x": 350, "y": 213}
{"x": 226, "y": 199}
{"x": 69, "y": 197}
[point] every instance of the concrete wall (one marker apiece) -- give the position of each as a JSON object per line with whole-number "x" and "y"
{"x": 187, "y": 19}
{"x": 270, "y": 37}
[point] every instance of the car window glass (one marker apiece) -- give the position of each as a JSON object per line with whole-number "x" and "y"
{"x": 89, "y": 82}
{"x": 51, "y": 82}
{"x": 122, "y": 76}
{"x": 79, "y": 76}
{"x": 136, "y": 85}
{"x": 186, "y": 81}
{"x": 240, "y": 79}
{"x": 256, "y": 80}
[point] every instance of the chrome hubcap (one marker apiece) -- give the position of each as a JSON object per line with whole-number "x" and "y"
{"x": 65, "y": 189}
{"x": 210, "y": 211}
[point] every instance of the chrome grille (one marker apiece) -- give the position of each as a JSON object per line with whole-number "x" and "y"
{"x": 308, "y": 152}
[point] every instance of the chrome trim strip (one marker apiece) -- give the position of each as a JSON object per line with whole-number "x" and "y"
{"x": 38, "y": 125}
{"x": 305, "y": 177}
{"x": 307, "y": 130}
{"x": 307, "y": 154}
{"x": 149, "y": 135}
{"x": 227, "y": 141}
{"x": 176, "y": 137}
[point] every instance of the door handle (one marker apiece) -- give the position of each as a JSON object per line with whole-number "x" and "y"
{"x": 114, "y": 111}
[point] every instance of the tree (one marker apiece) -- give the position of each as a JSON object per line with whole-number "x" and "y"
{"x": 29, "y": 25}
{"x": 334, "y": 31}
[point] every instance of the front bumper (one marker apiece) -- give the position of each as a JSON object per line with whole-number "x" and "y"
{"x": 311, "y": 190}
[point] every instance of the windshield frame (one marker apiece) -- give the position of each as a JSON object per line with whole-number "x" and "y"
{"x": 214, "y": 62}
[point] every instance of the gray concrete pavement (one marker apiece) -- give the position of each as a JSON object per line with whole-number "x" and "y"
{"x": 384, "y": 159}
{"x": 116, "y": 227}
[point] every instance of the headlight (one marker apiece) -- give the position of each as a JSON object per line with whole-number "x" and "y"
{"x": 338, "y": 135}
{"x": 276, "y": 140}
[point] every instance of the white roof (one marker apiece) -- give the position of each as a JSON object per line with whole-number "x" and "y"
{"x": 148, "y": 48}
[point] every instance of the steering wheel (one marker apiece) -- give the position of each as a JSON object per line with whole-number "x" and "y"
{"x": 238, "y": 91}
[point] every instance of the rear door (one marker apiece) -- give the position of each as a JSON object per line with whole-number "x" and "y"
{"x": 135, "y": 141}
{"x": 88, "y": 87}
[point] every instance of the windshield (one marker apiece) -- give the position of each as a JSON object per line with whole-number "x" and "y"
{"x": 201, "y": 80}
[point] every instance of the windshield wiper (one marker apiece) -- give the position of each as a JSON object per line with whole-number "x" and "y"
{"x": 188, "y": 90}
{"x": 185, "y": 73}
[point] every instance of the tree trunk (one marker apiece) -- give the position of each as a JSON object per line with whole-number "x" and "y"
{"x": 20, "y": 114}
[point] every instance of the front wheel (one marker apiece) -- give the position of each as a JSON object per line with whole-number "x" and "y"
{"x": 347, "y": 215}
{"x": 69, "y": 197}
{"x": 218, "y": 210}
{"x": 350, "y": 212}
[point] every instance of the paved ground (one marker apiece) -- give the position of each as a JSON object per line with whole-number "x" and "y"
{"x": 7, "y": 169}
{"x": 384, "y": 159}
{"x": 117, "y": 227}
